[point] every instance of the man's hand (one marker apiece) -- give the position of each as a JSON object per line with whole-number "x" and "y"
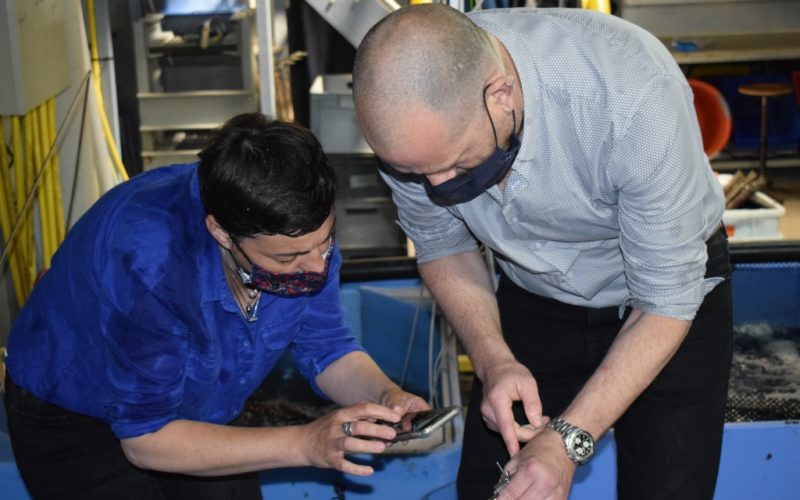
{"x": 541, "y": 470}
{"x": 503, "y": 384}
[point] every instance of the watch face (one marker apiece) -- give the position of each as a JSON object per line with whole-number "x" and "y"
{"x": 580, "y": 445}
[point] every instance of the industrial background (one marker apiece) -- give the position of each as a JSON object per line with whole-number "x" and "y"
{"x": 93, "y": 92}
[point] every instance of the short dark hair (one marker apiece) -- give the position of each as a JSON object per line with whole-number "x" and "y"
{"x": 261, "y": 176}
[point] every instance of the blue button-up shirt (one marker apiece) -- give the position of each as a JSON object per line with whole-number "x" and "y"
{"x": 611, "y": 197}
{"x": 134, "y": 323}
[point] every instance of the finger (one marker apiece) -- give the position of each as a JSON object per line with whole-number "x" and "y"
{"x": 365, "y": 428}
{"x": 504, "y": 419}
{"x": 356, "y": 445}
{"x": 529, "y": 394}
{"x": 526, "y": 432}
{"x": 406, "y": 402}
{"x": 355, "y": 469}
{"x": 363, "y": 411}
{"x": 418, "y": 404}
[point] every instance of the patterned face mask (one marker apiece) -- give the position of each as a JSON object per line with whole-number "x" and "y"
{"x": 285, "y": 284}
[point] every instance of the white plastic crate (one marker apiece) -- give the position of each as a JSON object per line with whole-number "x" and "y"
{"x": 753, "y": 224}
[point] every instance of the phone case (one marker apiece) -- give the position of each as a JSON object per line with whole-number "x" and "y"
{"x": 427, "y": 424}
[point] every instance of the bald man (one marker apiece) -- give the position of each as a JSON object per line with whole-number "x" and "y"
{"x": 566, "y": 141}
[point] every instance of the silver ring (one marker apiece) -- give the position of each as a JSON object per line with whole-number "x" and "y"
{"x": 347, "y": 428}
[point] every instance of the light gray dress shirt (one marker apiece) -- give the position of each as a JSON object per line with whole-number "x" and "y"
{"x": 611, "y": 197}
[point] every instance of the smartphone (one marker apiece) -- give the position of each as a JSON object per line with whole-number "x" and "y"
{"x": 423, "y": 423}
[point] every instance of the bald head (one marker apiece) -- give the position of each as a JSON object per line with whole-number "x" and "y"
{"x": 427, "y": 57}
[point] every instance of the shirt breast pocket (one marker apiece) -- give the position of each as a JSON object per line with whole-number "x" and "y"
{"x": 283, "y": 327}
{"x": 570, "y": 266}
{"x": 550, "y": 261}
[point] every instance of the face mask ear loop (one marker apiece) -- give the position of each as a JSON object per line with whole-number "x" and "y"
{"x": 514, "y": 123}
{"x": 241, "y": 252}
{"x": 491, "y": 122}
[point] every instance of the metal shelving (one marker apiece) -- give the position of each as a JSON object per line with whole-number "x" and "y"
{"x": 174, "y": 106}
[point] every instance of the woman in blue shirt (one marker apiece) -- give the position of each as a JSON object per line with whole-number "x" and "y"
{"x": 166, "y": 307}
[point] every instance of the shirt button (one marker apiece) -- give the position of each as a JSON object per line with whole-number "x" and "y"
{"x": 247, "y": 343}
{"x": 242, "y": 380}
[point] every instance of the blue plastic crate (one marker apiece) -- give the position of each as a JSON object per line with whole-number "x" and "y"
{"x": 767, "y": 293}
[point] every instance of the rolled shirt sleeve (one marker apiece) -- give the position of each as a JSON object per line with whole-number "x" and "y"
{"x": 436, "y": 231}
{"x": 661, "y": 173}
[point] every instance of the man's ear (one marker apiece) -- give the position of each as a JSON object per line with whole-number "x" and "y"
{"x": 219, "y": 234}
{"x": 500, "y": 92}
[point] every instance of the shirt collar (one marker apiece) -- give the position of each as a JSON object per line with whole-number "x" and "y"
{"x": 210, "y": 273}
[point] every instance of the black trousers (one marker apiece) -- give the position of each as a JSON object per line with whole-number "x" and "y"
{"x": 669, "y": 440}
{"x": 64, "y": 455}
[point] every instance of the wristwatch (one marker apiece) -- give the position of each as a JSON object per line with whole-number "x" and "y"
{"x": 578, "y": 443}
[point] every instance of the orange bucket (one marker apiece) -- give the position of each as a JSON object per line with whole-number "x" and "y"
{"x": 713, "y": 116}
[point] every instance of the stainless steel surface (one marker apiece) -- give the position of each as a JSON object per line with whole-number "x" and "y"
{"x": 266, "y": 65}
{"x": 192, "y": 110}
{"x": 712, "y": 17}
{"x": 739, "y": 47}
{"x": 353, "y": 18}
{"x": 153, "y": 159}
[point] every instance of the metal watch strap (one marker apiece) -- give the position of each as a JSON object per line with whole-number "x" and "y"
{"x": 585, "y": 442}
{"x": 560, "y": 425}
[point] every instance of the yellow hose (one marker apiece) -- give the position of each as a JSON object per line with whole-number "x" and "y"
{"x": 98, "y": 91}
{"x": 598, "y": 5}
{"x": 59, "y": 203}
{"x": 7, "y": 214}
{"x": 33, "y": 140}
{"x": 23, "y": 252}
{"x": 46, "y": 188}
{"x": 52, "y": 180}
{"x": 40, "y": 192}
{"x": 30, "y": 240}
{"x": 19, "y": 198}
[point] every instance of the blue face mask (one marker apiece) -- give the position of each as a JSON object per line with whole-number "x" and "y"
{"x": 478, "y": 179}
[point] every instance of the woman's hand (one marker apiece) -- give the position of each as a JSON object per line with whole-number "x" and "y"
{"x": 325, "y": 443}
